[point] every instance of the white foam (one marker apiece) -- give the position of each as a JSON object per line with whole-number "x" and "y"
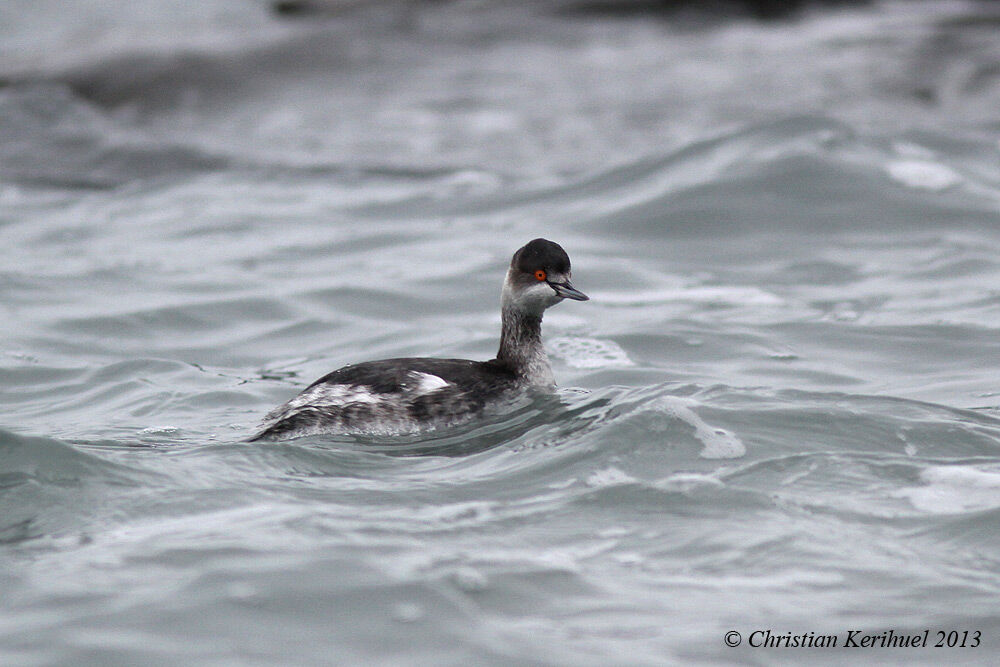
{"x": 566, "y": 558}
{"x": 589, "y": 353}
{"x": 608, "y": 477}
{"x": 955, "y": 490}
{"x": 688, "y": 481}
{"x": 923, "y": 175}
{"x": 470, "y": 579}
{"x": 718, "y": 442}
{"x": 468, "y": 513}
{"x": 408, "y": 612}
{"x": 159, "y": 430}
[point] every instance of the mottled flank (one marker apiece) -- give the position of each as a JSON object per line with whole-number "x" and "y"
{"x": 390, "y": 396}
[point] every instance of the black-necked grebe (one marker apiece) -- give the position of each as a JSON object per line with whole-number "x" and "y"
{"x": 405, "y": 395}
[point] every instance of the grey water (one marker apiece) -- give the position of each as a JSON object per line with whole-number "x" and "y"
{"x": 779, "y": 411}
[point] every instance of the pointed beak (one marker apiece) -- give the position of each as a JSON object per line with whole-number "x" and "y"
{"x": 567, "y": 291}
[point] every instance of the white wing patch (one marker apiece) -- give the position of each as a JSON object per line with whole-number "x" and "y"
{"x": 427, "y": 383}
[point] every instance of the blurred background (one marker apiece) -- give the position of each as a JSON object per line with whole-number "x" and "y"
{"x": 500, "y": 93}
{"x": 779, "y": 409}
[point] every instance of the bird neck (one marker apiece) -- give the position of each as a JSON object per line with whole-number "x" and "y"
{"x": 521, "y": 346}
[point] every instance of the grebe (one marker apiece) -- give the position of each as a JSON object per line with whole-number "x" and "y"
{"x": 404, "y": 395}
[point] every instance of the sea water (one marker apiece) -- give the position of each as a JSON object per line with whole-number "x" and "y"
{"x": 780, "y": 410}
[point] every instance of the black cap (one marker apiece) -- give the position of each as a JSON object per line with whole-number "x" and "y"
{"x": 541, "y": 254}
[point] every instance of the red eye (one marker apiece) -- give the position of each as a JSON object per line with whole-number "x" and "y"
{"x": 540, "y": 274}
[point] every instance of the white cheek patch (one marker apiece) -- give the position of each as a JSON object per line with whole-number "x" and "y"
{"x": 539, "y": 297}
{"x": 427, "y": 383}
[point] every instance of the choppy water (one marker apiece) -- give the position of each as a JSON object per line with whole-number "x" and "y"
{"x": 780, "y": 410}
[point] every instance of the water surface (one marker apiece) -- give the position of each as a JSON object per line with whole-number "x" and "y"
{"x": 779, "y": 410}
